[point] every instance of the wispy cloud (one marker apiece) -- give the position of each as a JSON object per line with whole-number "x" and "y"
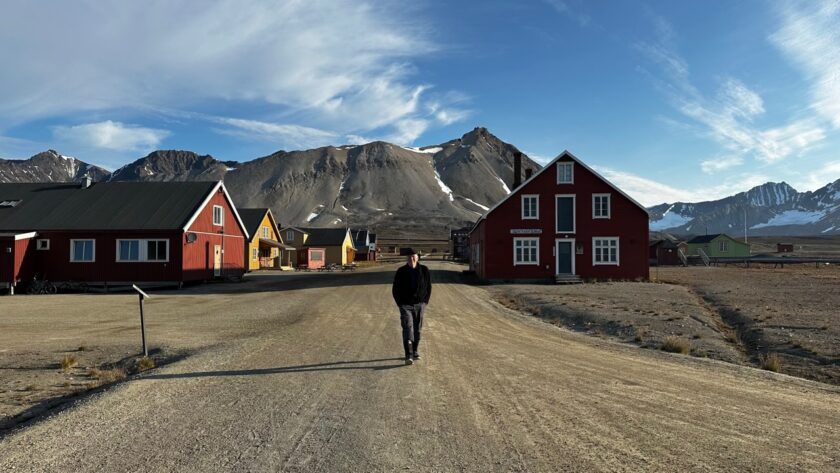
{"x": 112, "y": 136}
{"x": 810, "y": 38}
{"x": 562, "y": 7}
{"x": 296, "y": 135}
{"x": 821, "y": 176}
{"x": 729, "y": 116}
{"x": 322, "y": 64}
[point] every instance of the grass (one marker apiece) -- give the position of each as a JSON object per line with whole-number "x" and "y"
{"x": 770, "y": 362}
{"x": 68, "y": 362}
{"x": 108, "y": 375}
{"x": 84, "y": 347}
{"x": 674, "y": 344}
{"x": 145, "y": 364}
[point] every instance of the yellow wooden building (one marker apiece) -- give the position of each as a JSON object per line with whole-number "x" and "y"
{"x": 266, "y": 248}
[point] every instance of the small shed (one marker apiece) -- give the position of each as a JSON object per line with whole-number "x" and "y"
{"x": 664, "y": 253}
{"x": 719, "y": 245}
{"x": 784, "y": 247}
{"x": 337, "y": 243}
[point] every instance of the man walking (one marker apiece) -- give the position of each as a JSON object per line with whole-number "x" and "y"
{"x": 411, "y": 290}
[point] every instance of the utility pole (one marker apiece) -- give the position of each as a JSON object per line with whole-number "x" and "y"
{"x": 745, "y": 224}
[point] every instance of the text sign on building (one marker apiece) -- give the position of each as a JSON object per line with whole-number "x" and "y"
{"x": 526, "y": 231}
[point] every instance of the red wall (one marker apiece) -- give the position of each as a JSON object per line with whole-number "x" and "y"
{"x": 17, "y": 265}
{"x": 627, "y": 221}
{"x": 199, "y": 255}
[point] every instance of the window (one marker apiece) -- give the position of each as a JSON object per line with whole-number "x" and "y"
{"x": 43, "y": 244}
{"x": 530, "y": 207}
{"x": 254, "y": 253}
{"x": 128, "y": 250}
{"x": 526, "y": 251}
{"x": 723, "y": 246}
{"x": 565, "y": 173}
{"x": 565, "y": 213}
{"x": 290, "y": 235}
{"x": 265, "y": 232}
{"x": 218, "y": 215}
{"x": 142, "y": 251}
{"x": 605, "y": 250}
{"x": 157, "y": 250}
{"x": 82, "y": 251}
{"x": 600, "y": 206}
{"x": 317, "y": 256}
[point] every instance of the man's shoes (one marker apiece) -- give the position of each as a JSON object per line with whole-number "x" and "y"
{"x": 416, "y": 356}
{"x": 409, "y": 361}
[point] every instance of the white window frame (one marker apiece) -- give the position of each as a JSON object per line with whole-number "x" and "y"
{"x": 142, "y": 250}
{"x": 562, "y": 165}
{"x": 255, "y": 253}
{"x": 524, "y": 199}
{"x": 93, "y": 250}
{"x": 221, "y": 221}
{"x": 723, "y": 246}
{"x": 42, "y": 240}
{"x": 609, "y": 206}
{"x": 290, "y": 235}
{"x": 617, "y": 252}
{"x": 526, "y": 263}
{"x": 266, "y": 233}
{"x": 574, "y": 213}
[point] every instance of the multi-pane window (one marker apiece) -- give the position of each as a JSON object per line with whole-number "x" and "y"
{"x": 82, "y": 251}
{"x": 723, "y": 246}
{"x": 142, "y": 250}
{"x": 290, "y": 235}
{"x": 218, "y": 215}
{"x": 604, "y": 250}
{"x": 600, "y": 206}
{"x": 565, "y": 173}
{"x": 525, "y": 251}
{"x": 157, "y": 250}
{"x": 530, "y": 206}
{"x": 254, "y": 253}
{"x": 265, "y": 232}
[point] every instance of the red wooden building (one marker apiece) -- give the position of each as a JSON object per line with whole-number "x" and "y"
{"x": 564, "y": 220}
{"x": 118, "y": 233}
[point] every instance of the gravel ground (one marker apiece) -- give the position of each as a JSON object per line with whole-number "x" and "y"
{"x": 307, "y": 377}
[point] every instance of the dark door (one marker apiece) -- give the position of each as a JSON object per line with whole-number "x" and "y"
{"x": 566, "y": 214}
{"x": 564, "y": 257}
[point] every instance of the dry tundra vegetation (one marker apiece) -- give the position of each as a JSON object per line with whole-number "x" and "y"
{"x": 780, "y": 319}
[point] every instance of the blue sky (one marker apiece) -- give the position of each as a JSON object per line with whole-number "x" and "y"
{"x": 670, "y": 100}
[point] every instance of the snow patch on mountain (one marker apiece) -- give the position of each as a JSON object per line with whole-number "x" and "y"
{"x": 477, "y": 204}
{"x": 792, "y": 217}
{"x": 504, "y": 186}
{"x": 444, "y": 187}
{"x": 669, "y": 220}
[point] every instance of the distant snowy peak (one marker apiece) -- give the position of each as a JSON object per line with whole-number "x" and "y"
{"x": 771, "y": 209}
{"x": 49, "y": 166}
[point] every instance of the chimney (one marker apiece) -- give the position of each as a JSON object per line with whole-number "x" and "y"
{"x": 86, "y": 181}
{"x": 517, "y": 169}
{"x": 528, "y": 173}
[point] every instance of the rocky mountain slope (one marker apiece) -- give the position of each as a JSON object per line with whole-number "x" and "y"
{"x": 49, "y": 166}
{"x": 769, "y": 209}
{"x": 377, "y": 185}
{"x": 173, "y": 165}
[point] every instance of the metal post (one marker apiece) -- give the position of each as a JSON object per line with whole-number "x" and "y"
{"x": 142, "y": 295}
{"x": 143, "y": 326}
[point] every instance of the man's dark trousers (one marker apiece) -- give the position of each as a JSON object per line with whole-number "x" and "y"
{"x": 411, "y": 319}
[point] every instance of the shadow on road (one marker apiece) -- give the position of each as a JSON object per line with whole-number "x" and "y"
{"x": 333, "y": 366}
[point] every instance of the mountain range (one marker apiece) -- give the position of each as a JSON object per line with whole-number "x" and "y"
{"x": 425, "y": 190}
{"x": 768, "y": 209}
{"x": 379, "y": 185}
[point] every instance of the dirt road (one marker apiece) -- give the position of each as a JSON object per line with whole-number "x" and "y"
{"x": 322, "y": 388}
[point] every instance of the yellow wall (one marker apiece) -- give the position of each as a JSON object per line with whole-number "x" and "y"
{"x": 338, "y": 254}
{"x": 254, "y": 263}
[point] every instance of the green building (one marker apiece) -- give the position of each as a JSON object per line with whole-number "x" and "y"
{"x": 718, "y": 246}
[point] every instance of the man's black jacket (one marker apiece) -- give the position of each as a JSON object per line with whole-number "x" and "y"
{"x": 404, "y": 293}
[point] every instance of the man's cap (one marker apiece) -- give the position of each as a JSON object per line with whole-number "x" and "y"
{"x": 407, "y": 251}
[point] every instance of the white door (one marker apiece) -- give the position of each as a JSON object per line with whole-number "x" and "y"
{"x": 217, "y": 261}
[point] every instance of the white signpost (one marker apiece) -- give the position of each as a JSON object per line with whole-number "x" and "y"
{"x": 142, "y": 296}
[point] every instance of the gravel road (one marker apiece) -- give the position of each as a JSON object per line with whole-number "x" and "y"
{"x": 322, "y": 387}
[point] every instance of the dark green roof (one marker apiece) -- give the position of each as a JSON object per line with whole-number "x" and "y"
{"x": 252, "y": 218}
{"x": 102, "y": 206}
{"x": 325, "y": 236}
